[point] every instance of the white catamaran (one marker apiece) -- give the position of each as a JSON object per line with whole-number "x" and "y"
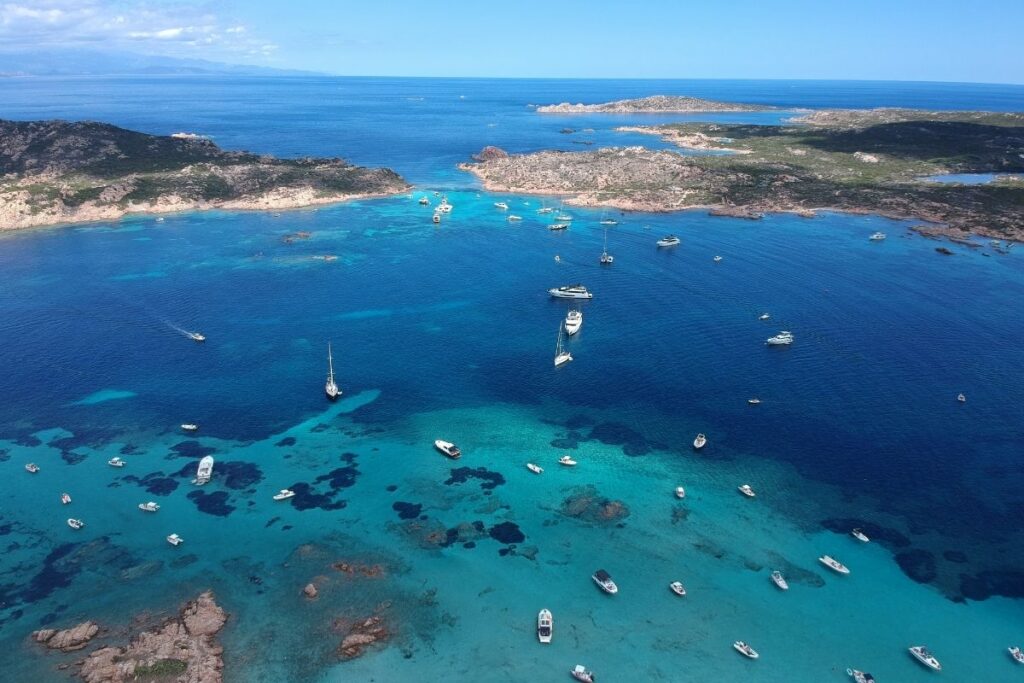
{"x": 331, "y": 387}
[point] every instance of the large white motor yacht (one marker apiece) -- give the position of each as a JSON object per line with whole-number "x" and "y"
{"x": 668, "y": 241}
{"x": 284, "y": 494}
{"x": 576, "y": 291}
{"x": 151, "y": 506}
{"x": 573, "y": 321}
{"x": 205, "y": 470}
{"x": 545, "y": 624}
{"x": 175, "y": 539}
{"x": 189, "y": 427}
{"x": 877, "y": 237}
{"x": 784, "y": 338}
{"x": 448, "y": 448}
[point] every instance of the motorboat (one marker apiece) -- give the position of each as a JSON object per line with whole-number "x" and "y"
{"x": 754, "y": 401}
{"x": 860, "y": 676}
{"x": 860, "y": 536}
{"x": 783, "y": 338}
{"x": 436, "y": 218}
{"x": 558, "y": 226}
{"x": 745, "y": 649}
{"x": 501, "y": 205}
{"x": 424, "y": 201}
{"x": 75, "y": 523}
{"x": 921, "y": 654}
{"x": 175, "y": 539}
{"x": 151, "y": 506}
{"x": 604, "y": 581}
{"x": 513, "y": 218}
{"x": 575, "y": 291}
{"x": 680, "y": 492}
{"x": 195, "y": 336}
{"x": 536, "y": 469}
{"x": 573, "y": 321}
{"x": 718, "y": 259}
{"x": 609, "y": 221}
{"x": 580, "y": 673}
{"x": 65, "y": 498}
{"x": 448, "y": 448}
{"x": 563, "y": 218}
{"x": 763, "y": 316}
{"x": 567, "y": 461}
{"x": 746, "y": 490}
{"x": 31, "y": 468}
{"x": 677, "y": 588}
{"x": 205, "y": 470}
{"x": 444, "y": 206}
{"x": 561, "y": 355}
{"x": 834, "y": 564}
{"x": 779, "y": 580}
{"x": 668, "y": 241}
{"x": 961, "y": 398}
{"x": 1017, "y": 654}
{"x": 116, "y": 462}
{"x": 545, "y": 209}
{"x": 700, "y": 441}
{"x": 545, "y": 623}
{"x": 331, "y": 387}
{"x": 877, "y": 237}
{"x": 189, "y": 427}
{"x": 284, "y": 494}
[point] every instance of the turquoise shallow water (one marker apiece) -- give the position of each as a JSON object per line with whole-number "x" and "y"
{"x": 448, "y": 333}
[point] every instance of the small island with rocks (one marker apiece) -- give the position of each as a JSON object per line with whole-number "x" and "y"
{"x": 864, "y": 161}
{"x": 656, "y": 104}
{"x": 54, "y": 172}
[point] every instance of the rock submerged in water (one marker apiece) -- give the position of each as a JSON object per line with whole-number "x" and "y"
{"x": 361, "y": 635}
{"x": 69, "y": 639}
{"x": 590, "y": 506}
{"x": 310, "y": 591}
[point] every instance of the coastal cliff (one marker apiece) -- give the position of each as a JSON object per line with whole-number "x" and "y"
{"x": 656, "y": 104}
{"x": 67, "y": 172}
{"x": 874, "y": 167}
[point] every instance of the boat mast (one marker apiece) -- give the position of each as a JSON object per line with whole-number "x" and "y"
{"x": 330, "y": 364}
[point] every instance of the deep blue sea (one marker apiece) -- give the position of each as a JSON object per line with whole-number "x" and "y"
{"x": 448, "y": 332}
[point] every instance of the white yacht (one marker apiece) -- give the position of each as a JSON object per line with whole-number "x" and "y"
{"x": 436, "y": 218}
{"x": 784, "y": 338}
{"x": 700, "y": 441}
{"x": 606, "y": 258}
{"x": 175, "y": 539}
{"x": 860, "y": 676}
{"x": 424, "y": 201}
{"x": 536, "y": 469}
{"x": 284, "y": 494}
{"x": 31, "y": 468}
{"x": 877, "y": 237}
{"x": 680, "y": 492}
{"x": 668, "y": 241}
{"x": 604, "y": 581}
{"x": 576, "y": 291}
{"x": 116, "y": 462}
{"x": 501, "y": 205}
{"x": 561, "y": 355}
{"x": 567, "y": 461}
{"x": 834, "y": 564}
{"x": 513, "y": 218}
{"x": 75, "y": 523}
{"x": 65, "y": 498}
{"x": 448, "y": 448}
{"x": 331, "y": 387}
{"x": 581, "y": 673}
{"x": 754, "y": 401}
{"x": 573, "y": 321}
{"x": 745, "y": 649}
{"x": 545, "y": 209}
{"x": 860, "y": 536}
{"x": 563, "y": 218}
{"x": 558, "y": 226}
{"x": 677, "y": 588}
{"x": 444, "y": 206}
{"x": 779, "y": 580}
{"x": 205, "y": 470}
{"x": 151, "y": 506}
{"x": 961, "y": 398}
{"x": 545, "y": 624}
{"x": 196, "y": 337}
{"x": 609, "y": 221}
{"x": 763, "y": 316}
{"x": 747, "y": 491}
{"x": 189, "y": 427}
{"x": 921, "y": 654}
{"x": 1017, "y": 654}
{"x": 718, "y": 259}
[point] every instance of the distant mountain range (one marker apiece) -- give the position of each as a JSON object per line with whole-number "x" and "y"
{"x": 79, "y": 62}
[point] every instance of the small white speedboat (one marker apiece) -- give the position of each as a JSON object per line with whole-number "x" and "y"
{"x": 763, "y": 316}
{"x": 31, "y": 468}
{"x": 545, "y": 624}
{"x": 580, "y": 673}
{"x": 668, "y": 241}
{"x": 680, "y": 492}
{"x": 436, "y": 218}
{"x": 779, "y": 580}
{"x": 604, "y": 581}
{"x": 1017, "y": 654}
{"x": 284, "y": 494}
{"x": 877, "y": 237}
{"x": 567, "y": 461}
{"x": 677, "y": 588}
{"x": 834, "y": 564}
{"x": 573, "y": 321}
{"x": 545, "y": 209}
{"x": 558, "y": 226}
{"x": 746, "y": 490}
{"x": 424, "y": 201}
{"x": 609, "y": 221}
{"x": 151, "y": 506}
{"x": 860, "y": 536}
{"x": 961, "y": 398}
{"x": 700, "y": 441}
{"x": 175, "y": 539}
{"x": 116, "y": 462}
{"x": 501, "y": 205}
{"x": 196, "y": 337}
{"x": 189, "y": 427}
{"x": 860, "y": 676}
{"x": 75, "y": 523}
{"x": 745, "y": 649}
{"x": 513, "y": 218}
{"x": 65, "y": 498}
{"x": 754, "y": 401}
{"x": 536, "y": 469}
{"x": 448, "y": 448}
{"x": 718, "y": 259}
{"x": 921, "y": 654}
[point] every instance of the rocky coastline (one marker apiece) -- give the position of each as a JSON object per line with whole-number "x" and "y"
{"x": 656, "y": 104}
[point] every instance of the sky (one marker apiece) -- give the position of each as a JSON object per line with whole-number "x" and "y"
{"x": 935, "y": 40}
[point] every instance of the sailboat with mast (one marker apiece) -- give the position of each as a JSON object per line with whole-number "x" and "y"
{"x": 331, "y": 387}
{"x": 561, "y": 355}
{"x": 606, "y": 258}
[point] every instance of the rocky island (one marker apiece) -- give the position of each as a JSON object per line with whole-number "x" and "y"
{"x": 67, "y": 172}
{"x": 861, "y": 162}
{"x": 656, "y": 104}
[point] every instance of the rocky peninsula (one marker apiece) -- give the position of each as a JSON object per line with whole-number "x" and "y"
{"x": 71, "y": 172}
{"x": 656, "y": 104}
{"x": 859, "y": 162}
